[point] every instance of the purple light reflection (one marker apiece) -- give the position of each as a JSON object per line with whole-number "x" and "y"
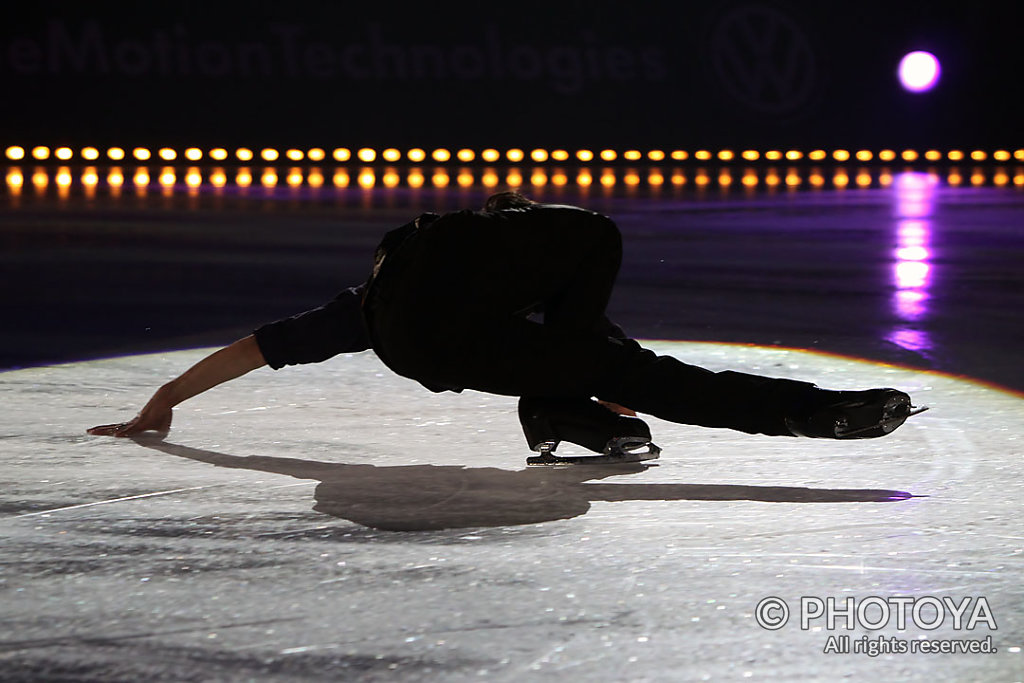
{"x": 912, "y": 272}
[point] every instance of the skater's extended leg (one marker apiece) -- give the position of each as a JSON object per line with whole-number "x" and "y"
{"x": 521, "y": 358}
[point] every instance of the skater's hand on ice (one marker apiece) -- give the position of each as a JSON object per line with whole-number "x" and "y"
{"x": 156, "y": 416}
{"x": 616, "y": 408}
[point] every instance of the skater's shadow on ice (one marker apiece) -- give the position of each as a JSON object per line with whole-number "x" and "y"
{"x": 430, "y": 497}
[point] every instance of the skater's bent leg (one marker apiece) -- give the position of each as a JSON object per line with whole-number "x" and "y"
{"x": 520, "y": 358}
{"x": 667, "y": 388}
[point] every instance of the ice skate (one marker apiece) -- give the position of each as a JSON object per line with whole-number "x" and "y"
{"x": 614, "y": 438}
{"x": 857, "y": 415}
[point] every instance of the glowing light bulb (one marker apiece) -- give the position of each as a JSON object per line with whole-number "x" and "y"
{"x": 539, "y": 155}
{"x": 366, "y": 155}
{"x": 416, "y": 155}
{"x": 342, "y": 154}
{"x": 193, "y": 154}
{"x": 560, "y": 155}
{"x": 316, "y": 154}
{"x": 490, "y": 155}
{"x": 294, "y": 154}
{"x": 608, "y": 155}
{"x": 218, "y": 154}
{"x": 63, "y": 153}
{"x": 919, "y": 71}
{"x": 167, "y": 154}
{"x": 441, "y": 155}
{"x": 632, "y": 155}
{"x": 41, "y": 153}
{"x": 465, "y": 155}
{"x": 515, "y": 156}
{"x": 15, "y": 153}
{"x": 270, "y": 154}
{"x": 585, "y": 155}
{"x": 243, "y": 154}
{"x": 656, "y": 155}
{"x": 841, "y": 155}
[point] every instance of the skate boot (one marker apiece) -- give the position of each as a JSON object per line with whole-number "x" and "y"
{"x": 615, "y": 438}
{"x": 855, "y": 415}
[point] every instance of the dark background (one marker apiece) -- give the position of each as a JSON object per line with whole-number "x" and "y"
{"x": 571, "y": 73}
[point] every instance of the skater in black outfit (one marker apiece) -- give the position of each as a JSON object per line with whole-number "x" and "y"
{"x": 451, "y": 303}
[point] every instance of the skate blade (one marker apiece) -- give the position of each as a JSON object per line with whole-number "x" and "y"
{"x": 616, "y": 458}
{"x": 897, "y": 421}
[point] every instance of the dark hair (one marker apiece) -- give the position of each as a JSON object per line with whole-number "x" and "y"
{"x": 507, "y": 200}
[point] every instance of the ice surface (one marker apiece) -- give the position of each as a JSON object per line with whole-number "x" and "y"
{"x": 336, "y": 522}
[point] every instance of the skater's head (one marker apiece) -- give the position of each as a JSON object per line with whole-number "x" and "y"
{"x": 507, "y": 200}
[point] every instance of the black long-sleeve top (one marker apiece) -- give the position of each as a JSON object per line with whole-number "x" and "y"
{"x": 336, "y": 327}
{"x": 340, "y": 325}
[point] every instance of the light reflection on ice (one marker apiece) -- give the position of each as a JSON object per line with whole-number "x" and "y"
{"x": 912, "y": 272}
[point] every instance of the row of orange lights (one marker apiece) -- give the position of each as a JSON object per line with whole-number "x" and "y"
{"x": 269, "y": 177}
{"x": 515, "y": 155}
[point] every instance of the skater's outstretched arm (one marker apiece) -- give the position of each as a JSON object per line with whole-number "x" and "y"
{"x": 228, "y": 363}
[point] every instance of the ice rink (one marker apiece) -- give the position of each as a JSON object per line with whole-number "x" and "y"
{"x": 336, "y": 522}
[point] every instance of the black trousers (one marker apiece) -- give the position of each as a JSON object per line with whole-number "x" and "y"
{"x": 450, "y": 306}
